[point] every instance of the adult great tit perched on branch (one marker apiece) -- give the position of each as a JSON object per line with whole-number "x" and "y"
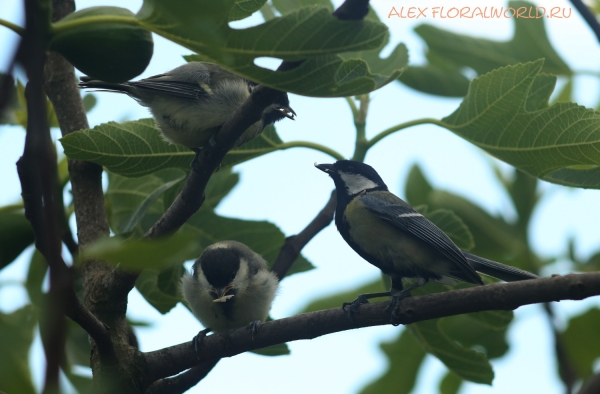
{"x": 388, "y": 233}
{"x": 230, "y": 287}
{"x": 191, "y": 102}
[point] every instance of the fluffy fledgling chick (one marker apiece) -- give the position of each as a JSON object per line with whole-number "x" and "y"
{"x": 191, "y": 102}
{"x": 230, "y": 287}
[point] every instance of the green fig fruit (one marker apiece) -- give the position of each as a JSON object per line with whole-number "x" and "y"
{"x": 110, "y": 51}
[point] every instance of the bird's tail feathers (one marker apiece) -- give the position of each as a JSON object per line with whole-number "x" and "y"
{"x": 90, "y": 83}
{"x": 497, "y": 270}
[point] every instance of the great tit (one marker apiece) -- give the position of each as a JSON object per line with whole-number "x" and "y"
{"x": 388, "y": 233}
{"x": 230, "y": 287}
{"x": 191, "y": 102}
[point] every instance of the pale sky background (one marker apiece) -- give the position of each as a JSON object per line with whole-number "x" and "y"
{"x": 286, "y": 189}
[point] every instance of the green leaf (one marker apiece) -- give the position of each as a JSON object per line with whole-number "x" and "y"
{"x": 405, "y": 357}
{"x": 244, "y": 8}
{"x": 17, "y": 335}
{"x": 35, "y": 278}
{"x": 137, "y": 255}
{"x": 310, "y": 33}
{"x": 450, "y": 384}
{"x": 126, "y": 195}
{"x": 130, "y": 149}
{"x": 287, "y": 6}
{"x": 220, "y": 185}
{"x": 417, "y": 189}
{"x": 279, "y": 349}
{"x": 77, "y": 346}
{"x": 337, "y": 300}
{"x": 506, "y": 113}
{"x": 147, "y": 285}
{"x": 473, "y": 331}
{"x": 89, "y": 102}
{"x": 497, "y": 320}
{"x": 148, "y": 201}
{"x": 453, "y": 226}
{"x": 16, "y": 234}
{"x": 530, "y": 42}
{"x": 580, "y": 342}
{"x": 468, "y": 364}
{"x": 523, "y": 193}
{"x": 137, "y": 148}
{"x": 435, "y": 80}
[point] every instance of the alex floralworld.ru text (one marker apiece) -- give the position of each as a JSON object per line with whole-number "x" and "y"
{"x": 479, "y": 12}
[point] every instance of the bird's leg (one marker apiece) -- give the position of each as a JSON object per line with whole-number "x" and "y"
{"x": 197, "y": 341}
{"x": 361, "y": 299}
{"x": 254, "y": 326}
{"x": 399, "y": 296}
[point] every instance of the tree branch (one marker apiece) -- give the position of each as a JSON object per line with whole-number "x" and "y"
{"x": 588, "y": 16}
{"x": 293, "y": 245}
{"x": 500, "y": 296}
{"x": 565, "y": 368}
{"x": 88, "y": 198}
{"x": 183, "y": 382}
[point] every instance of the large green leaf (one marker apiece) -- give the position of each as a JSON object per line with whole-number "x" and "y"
{"x": 129, "y": 149}
{"x": 506, "y": 113}
{"x": 17, "y": 335}
{"x": 435, "y": 80}
{"x": 467, "y": 363}
{"x": 244, "y": 8}
{"x": 471, "y": 330}
{"x": 310, "y": 33}
{"x": 126, "y": 195}
{"x": 287, "y": 6}
{"x": 147, "y": 285}
{"x": 405, "y": 357}
{"x": 450, "y": 384}
{"x": 16, "y": 234}
{"x": 581, "y": 342}
{"x": 529, "y": 42}
{"x": 137, "y": 148}
{"x": 449, "y": 53}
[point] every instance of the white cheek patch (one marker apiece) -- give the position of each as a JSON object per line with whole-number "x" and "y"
{"x": 224, "y": 298}
{"x": 356, "y": 183}
{"x": 408, "y": 215}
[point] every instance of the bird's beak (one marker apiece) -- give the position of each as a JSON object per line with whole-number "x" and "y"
{"x": 287, "y": 112}
{"x": 221, "y": 293}
{"x": 328, "y": 168}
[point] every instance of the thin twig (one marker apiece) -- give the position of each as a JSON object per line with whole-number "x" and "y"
{"x": 500, "y": 296}
{"x": 565, "y": 368}
{"x": 588, "y": 16}
{"x": 293, "y": 245}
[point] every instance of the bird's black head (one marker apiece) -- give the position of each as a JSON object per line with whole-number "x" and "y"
{"x": 278, "y": 110}
{"x": 353, "y": 177}
{"x": 219, "y": 265}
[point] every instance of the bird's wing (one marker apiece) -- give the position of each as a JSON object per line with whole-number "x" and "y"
{"x": 185, "y": 90}
{"x": 405, "y": 218}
